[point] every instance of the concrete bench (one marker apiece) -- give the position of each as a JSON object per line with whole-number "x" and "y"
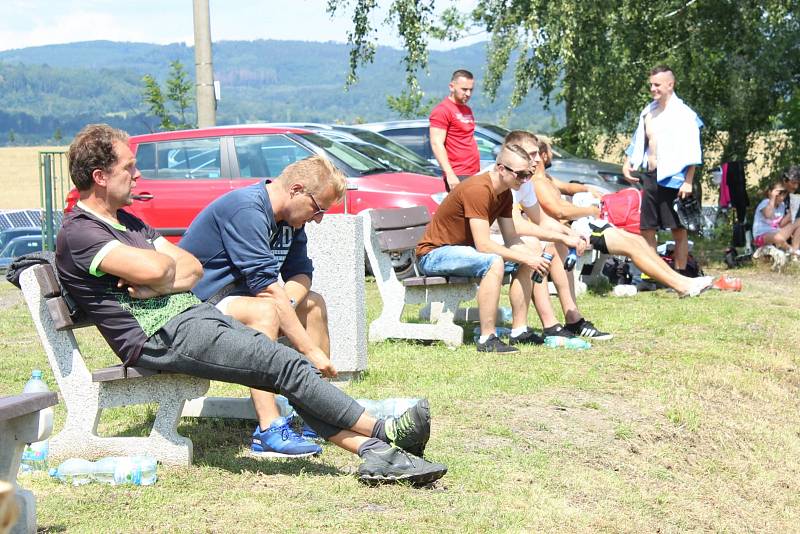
{"x": 23, "y": 419}
{"x": 86, "y": 394}
{"x": 337, "y": 250}
{"x": 398, "y": 231}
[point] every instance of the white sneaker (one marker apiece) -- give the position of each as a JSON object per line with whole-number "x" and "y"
{"x": 698, "y": 286}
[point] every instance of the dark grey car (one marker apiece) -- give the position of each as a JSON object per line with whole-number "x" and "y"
{"x": 414, "y": 134}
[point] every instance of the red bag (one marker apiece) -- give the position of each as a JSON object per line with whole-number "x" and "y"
{"x": 623, "y": 209}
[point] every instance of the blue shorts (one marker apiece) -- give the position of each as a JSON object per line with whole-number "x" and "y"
{"x": 460, "y": 260}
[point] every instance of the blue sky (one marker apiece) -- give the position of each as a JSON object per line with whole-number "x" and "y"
{"x": 26, "y": 23}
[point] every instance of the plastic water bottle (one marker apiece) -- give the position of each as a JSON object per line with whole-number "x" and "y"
{"x": 574, "y": 343}
{"x": 571, "y": 260}
{"x": 34, "y": 457}
{"x": 114, "y": 470}
{"x": 387, "y": 407}
{"x": 537, "y": 277}
{"x": 136, "y": 470}
{"x": 75, "y": 471}
{"x": 625, "y": 290}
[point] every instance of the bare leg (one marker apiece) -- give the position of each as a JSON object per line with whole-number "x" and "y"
{"x": 681, "y": 254}
{"x": 259, "y": 314}
{"x": 649, "y": 235}
{"x": 313, "y": 315}
{"x": 520, "y": 294}
{"x": 541, "y": 294}
{"x": 645, "y": 258}
{"x": 489, "y": 297}
{"x": 565, "y": 285}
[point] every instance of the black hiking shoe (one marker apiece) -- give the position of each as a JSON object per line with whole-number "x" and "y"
{"x": 557, "y": 331}
{"x": 586, "y": 329}
{"x": 396, "y": 465}
{"x": 412, "y": 430}
{"x": 528, "y": 336}
{"x": 493, "y": 344}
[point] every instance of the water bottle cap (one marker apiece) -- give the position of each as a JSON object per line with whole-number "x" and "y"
{"x": 36, "y": 373}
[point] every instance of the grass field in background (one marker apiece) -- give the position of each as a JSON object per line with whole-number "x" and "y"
{"x": 688, "y": 420}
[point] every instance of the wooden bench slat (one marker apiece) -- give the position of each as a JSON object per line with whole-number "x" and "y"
{"x": 118, "y": 372}
{"x": 47, "y": 280}
{"x": 392, "y": 219}
{"x": 26, "y": 403}
{"x": 405, "y": 239}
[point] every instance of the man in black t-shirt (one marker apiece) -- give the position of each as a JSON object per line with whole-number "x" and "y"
{"x": 134, "y": 285}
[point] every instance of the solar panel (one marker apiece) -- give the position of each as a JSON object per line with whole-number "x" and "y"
{"x": 23, "y": 218}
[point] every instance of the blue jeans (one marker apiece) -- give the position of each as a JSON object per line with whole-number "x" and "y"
{"x": 460, "y": 260}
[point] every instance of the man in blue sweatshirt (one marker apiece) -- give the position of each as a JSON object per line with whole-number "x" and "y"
{"x": 244, "y": 241}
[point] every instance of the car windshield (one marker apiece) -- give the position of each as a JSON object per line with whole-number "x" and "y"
{"x": 388, "y": 144}
{"x": 499, "y": 130}
{"x": 358, "y": 161}
{"x": 386, "y": 158}
{"x": 560, "y": 153}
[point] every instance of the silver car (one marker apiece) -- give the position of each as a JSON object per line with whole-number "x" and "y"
{"x": 414, "y": 134}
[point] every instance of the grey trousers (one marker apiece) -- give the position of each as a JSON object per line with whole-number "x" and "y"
{"x": 203, "y": 342}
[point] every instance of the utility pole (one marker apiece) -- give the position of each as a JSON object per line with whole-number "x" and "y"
{"x": 204, "y": 69}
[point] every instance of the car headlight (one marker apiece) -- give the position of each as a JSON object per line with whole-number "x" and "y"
{"x": 439, "y": 197}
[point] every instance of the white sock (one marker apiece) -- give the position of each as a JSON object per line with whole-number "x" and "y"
{"x": 483, "y": 339}
{"x": 519, "y": 331}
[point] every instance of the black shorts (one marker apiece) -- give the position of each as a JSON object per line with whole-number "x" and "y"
{"x": 598, "y": 239}
{"x": 657, "y": 210}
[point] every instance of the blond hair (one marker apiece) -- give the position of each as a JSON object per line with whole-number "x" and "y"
{"x": 315, "y": 173}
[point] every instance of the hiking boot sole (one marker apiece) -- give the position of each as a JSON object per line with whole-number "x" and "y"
{"x": 416, "y": 479}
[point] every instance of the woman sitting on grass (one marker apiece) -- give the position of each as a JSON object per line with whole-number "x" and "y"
{"x": 772, "y": 224}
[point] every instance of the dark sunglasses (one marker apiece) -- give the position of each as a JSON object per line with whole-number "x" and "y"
{"x": 316, "y": 204}
{"x": 522, "y": 176}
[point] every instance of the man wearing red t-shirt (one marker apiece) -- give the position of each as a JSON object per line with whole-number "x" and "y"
{"x": 452, "y": 129}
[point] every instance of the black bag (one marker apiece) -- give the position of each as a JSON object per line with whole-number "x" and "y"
{"x": 689, "y": 213}
{"x": 617, "y": 271}
{"x": 739, "y": 239}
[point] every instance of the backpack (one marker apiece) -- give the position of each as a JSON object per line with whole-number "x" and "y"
{"x": 623, "y": 209}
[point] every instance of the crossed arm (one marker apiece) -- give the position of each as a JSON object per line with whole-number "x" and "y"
{"x": 149, "y": 273}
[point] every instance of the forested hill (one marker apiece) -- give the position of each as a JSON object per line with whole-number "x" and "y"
{"x": 50, "y": 92}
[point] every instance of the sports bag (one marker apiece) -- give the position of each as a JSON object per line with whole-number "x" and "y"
{"x": 623, "y": 209}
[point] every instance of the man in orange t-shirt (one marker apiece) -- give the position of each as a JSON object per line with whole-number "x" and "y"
{"x": 457, "y": 243}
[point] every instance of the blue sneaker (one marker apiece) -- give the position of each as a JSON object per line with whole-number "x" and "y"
{"x": 281, "y": 441}
{"x": 309, "y": 433}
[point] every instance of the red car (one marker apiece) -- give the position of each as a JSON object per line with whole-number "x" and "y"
{"x": 183, "y": 171}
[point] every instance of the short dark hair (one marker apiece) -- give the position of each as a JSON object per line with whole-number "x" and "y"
{"x": 93, "y": 148}
{"x": 658, "y": 69}
{"x": 461, "y": 73}
{"x": 792, "y": 174}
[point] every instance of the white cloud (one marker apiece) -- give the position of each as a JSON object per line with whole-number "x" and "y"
{"x": 26, "y": 23}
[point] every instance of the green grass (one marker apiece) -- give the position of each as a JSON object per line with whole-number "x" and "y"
{"x": 687, "y": 420}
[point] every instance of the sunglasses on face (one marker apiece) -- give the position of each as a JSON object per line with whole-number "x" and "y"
{"x": 523, "y": 175}
{"x": 316, "y": 205}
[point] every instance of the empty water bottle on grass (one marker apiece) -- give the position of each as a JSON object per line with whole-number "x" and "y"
{"x": 34, "y": 457}
{"x": 387, "y": 407}
{"x": 574, "y": 343}
{"x": 113, "y": 470}
{"x": 75, "y": 471}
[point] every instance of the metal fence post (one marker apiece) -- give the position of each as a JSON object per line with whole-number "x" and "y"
{"x": 49, "y": 235}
